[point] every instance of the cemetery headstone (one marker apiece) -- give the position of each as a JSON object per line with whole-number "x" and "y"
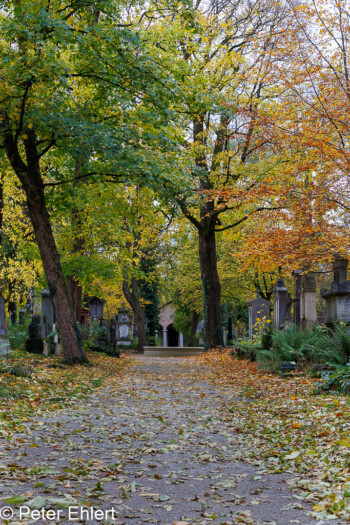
{"x": 259, "y": 314}
{"x": 282, "y": 304}
{"x": 304, "y": 299}
{"x": 337, "y": 299}
{"x": 37, "y": 343}
{"x": 47, "y": 309}
{"x": 123, "y": 329}
{"x": 96, "y": 308}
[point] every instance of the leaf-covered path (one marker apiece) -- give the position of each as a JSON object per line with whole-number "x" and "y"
{"x": 157, "y": 447}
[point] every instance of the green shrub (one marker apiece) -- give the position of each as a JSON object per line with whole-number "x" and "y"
{"x": 321, "y": 345}
{"x": 18, "y": 334}
{"x": 335, "y": 381}
{"x": 331, "y": 346}
{"x": 245, "y": 348}
{"x": 266, "y": 336}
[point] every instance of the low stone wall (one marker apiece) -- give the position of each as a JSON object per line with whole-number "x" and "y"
{"x": 171, "y": 351}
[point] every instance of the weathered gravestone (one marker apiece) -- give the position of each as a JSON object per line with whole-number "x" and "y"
{"x": 37, "y": 343}
{"x": 338, "y": 297}
{"x": 48, "y": 310}
{"x": 259, "y": 314}
{"x": 96, "y": 308}
{"x": 282, "y": 304}
{"x": 305, "y": 298}
{"x": 123, "y": 328}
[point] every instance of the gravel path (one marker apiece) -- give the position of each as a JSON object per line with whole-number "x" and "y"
{"x": 154, "y": 449}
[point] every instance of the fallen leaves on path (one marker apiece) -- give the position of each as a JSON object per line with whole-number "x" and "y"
{"x": 283, "y": 427}
{"x": 51, "y": 385}
{"x": 146, "y": 443}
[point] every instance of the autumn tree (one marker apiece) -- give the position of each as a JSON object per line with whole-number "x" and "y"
{"x": 221, "y": 75}
{"x": 66, "y": 88}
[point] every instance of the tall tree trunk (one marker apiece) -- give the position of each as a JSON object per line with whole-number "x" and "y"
{"x": 75, "y": 291}
{"x": 131, "y": 294}
{"x": 207, "y": 245}
{"x": 194, "y": 324}
{"x": 211, "y": 288}
{"x": 30, "y": 177}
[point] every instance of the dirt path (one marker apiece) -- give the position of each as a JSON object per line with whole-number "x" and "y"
{"x": 157, "y": 449}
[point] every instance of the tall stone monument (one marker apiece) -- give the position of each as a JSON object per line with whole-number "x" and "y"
{"x": 338, "y": 297}
{"x": 282, "y": 304}
{"x": 305, "y": 299}
{"x": 47, "y": 309}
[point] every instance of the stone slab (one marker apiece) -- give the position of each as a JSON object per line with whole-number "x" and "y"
{"x": 171, "y": 351}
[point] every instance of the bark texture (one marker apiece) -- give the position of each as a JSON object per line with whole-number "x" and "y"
{"x": 211, "y": 288}
{"x": 30, "y": 177}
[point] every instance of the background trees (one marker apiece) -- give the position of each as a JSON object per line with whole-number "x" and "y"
{"x": 117, "y": 119}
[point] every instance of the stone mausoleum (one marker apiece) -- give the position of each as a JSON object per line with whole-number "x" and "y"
{"x": 169, "y": 335}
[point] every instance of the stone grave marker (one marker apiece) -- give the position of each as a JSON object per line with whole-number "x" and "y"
{"x": 37, "y": 343}
{"x": 123, "y": 328}
{"x": 338, "y": 297}
{"x": 305, "y": 297}
{"x": 282, "y": 304}
{"x": 259, "y": 314}
{"x": 96, "y": 308}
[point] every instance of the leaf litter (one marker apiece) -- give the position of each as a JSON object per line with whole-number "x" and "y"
{"x": 168, "y": 441}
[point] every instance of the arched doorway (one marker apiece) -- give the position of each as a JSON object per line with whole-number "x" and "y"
{"x": 173, "y": 336}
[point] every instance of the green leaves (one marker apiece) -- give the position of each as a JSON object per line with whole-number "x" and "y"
{"x": 15, "y": 500}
